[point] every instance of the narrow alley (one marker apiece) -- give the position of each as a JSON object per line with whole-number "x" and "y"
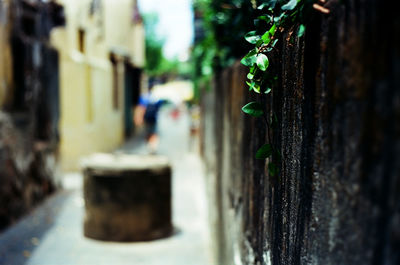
{"x": 199, "y": 132}
{"x": 52, "y": 234}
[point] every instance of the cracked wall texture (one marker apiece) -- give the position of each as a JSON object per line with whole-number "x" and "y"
{"x": 29, "y": 106}
{"x": 337, "y": 197}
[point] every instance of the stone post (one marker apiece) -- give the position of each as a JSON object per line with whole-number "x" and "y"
{"x": 127, "y": 197}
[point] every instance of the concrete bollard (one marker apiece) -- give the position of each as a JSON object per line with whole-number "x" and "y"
{"x": 127, "y": 197}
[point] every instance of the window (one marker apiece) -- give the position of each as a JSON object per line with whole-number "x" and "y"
{"x": 115, "y": 81}
{"x": 115, "y": 86}
{"x": 81, "y": 40}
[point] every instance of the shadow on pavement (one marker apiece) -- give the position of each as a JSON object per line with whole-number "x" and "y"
{"x": 18, "y": 242}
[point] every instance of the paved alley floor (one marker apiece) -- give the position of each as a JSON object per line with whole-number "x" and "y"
{"x": 52, "y": 234}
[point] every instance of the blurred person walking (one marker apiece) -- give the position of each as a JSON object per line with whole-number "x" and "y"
{"x": 147, "y": 113}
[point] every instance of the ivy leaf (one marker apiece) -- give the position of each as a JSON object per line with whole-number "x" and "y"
{"x": 254, "y": 86}
{"x": 266, "y": 18}
{"x": 264, "y": 151}
{"x": 252, "y": 37}
{"x": 262, "y": 62}
{"x": 262, "y": 6}
{"x": 268, "y": 90}
{"x": 259, "y": 42}
{"x": 253, "y": 108}
{"x": 250, "y": 76}
{"x": 273, "y": 169}
{"x": 272, "y": 30}
{"x": 270, "y": 4}
{"x": 278, "y": 18}
{"x": 266, "y": 38}
{"x": 272, "y": 46}
{"x": 250, "y": 85}
{"x": 290, "y": 5}
{"x": 301, "y": 31}
{"x": 250, "y": 58}
{"x": 249, "y": 61}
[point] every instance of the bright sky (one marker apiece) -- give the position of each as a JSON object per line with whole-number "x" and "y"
{"x": 175, "y": 24}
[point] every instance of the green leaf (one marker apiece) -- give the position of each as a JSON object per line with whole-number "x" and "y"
{"x": 252, "y": 37}
{"x": 262, "y": 6}
{"x": 278, "y": 18}
{"x": 250, "y": 76}
{"x": 253, "y": 108}
{"x": 272, "y": 3}
{"x": 262, "y": 62}
{"x": 253, "y": 86}
{"x": 256, "y": 87}
{"x": 250, "y": 85}
{"x": 273, "y": 169}
{"x": 272, "y": 30}
{"x": 290, "y": 5}
{"x": 266, "y": 18}
{"x": 268, "y": 90}
{"x": 250, "y": 59}
{"x": 264, "y": 151}
{"x": 269, "y": 4}
{"x": 266, "y": 38}
{"x": 259, "y": 43}
{"x": 301, "y": 31}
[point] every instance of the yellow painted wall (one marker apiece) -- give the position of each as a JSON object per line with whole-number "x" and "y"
{"x": 124, "y": 34}
{"x": 89, "y": 121}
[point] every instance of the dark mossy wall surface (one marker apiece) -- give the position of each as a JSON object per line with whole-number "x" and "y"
{"x": 337, "y": 197}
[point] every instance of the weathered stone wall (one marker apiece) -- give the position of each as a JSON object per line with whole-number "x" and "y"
{"x": 29, "y": 106}
{"x": 27, "y": 168}
{"x": 337, "y": 197}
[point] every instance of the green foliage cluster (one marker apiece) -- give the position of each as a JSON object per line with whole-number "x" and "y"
{"x": 154, "y": 45}
{"x": 224, "y": 22}
{"x": 277, "y": 17}
{"x": 156, "y": 63}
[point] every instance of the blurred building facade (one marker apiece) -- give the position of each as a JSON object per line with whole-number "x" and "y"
{"x": 29, "y": 104}
{"x": 102, "y": 51}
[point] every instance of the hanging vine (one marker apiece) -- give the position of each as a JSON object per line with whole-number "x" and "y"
{"x": 277, "y": 16}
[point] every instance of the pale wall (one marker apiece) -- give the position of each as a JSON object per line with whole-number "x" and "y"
{"x": 123, "y": 34}
{"x": 89, "y": 123}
